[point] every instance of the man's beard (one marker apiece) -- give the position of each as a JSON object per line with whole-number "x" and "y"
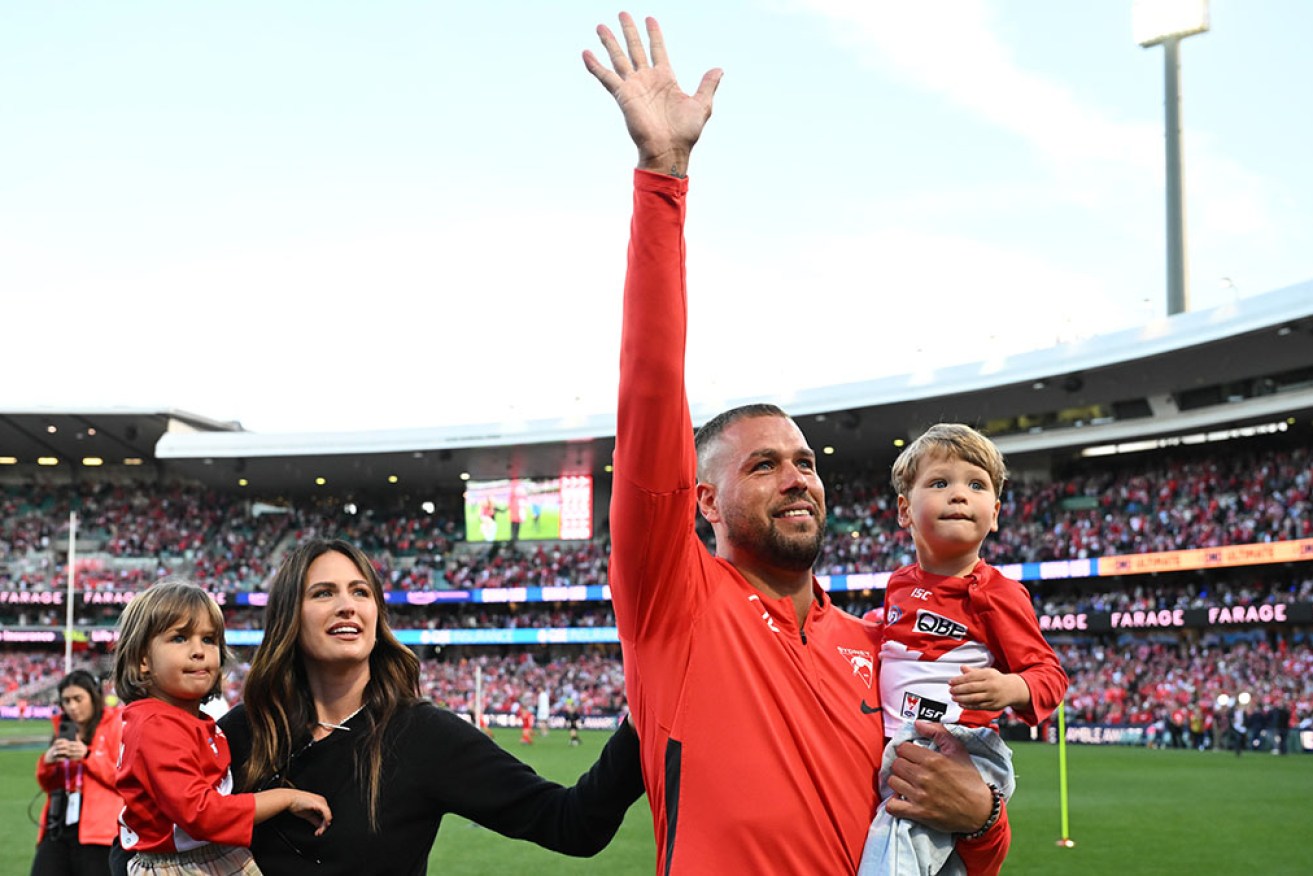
{"x": 796, "y": 553}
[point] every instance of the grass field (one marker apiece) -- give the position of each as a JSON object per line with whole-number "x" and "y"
{"x": 548, "y": 526}
{"x": 1132, "y": 811}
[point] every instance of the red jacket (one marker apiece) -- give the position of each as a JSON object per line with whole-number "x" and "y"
{"x": 176, "y": 782}
{"x": 100, "y": 801}
{"x": 761, "y": 740}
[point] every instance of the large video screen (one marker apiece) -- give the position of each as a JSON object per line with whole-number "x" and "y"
{"x": 529, "y": 509}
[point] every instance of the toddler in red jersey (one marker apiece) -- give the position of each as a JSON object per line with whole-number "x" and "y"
{"x": 180, "y": 815}
{"x": 960, "y": 641}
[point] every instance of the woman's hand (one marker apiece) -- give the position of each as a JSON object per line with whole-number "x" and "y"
{"x": 66, "y": 749}
{"x": 313, "y": 809}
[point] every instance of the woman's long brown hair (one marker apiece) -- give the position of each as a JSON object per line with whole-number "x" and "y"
{"x": 279, "y": 706}
{"x": 89, "y": 683}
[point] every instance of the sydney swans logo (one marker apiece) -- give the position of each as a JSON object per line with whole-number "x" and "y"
{"x": 862, "y": 662}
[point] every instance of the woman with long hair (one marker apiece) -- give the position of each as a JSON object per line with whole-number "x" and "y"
{"x": 331, "y": 705}
{"x": 78, "y": 821}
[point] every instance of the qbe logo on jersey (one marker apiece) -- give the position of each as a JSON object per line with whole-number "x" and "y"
{"x": 937, "y": 625}
{"x": 917, "y": 707}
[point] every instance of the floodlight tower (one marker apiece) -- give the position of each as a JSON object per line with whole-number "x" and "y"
{"x": 1166, "y": 23}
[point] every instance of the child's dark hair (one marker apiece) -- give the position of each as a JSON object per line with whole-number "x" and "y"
{"x": 152, "y": 612}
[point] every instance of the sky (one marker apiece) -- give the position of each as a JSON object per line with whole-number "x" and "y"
{"x": 341, "y": 216}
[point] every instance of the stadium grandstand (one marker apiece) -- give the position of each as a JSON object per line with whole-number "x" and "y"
{"x": 1160, "y": 511}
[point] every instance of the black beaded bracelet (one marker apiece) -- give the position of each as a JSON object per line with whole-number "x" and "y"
{"x": 994, "y": 814}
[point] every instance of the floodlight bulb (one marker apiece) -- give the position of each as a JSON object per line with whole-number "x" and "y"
{"x": 1243, "y": 699}
{"x": 1156, "y": 21}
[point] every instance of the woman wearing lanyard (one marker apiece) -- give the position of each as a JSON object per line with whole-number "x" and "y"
{"x": 79, "y": 820}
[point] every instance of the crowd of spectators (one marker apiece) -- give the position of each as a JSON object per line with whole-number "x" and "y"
{"x": 1242, "y": 493}
{"x": 1156, "y": 683}
{"x": 25, "y": 675}
{"x": 1246, "y": 492}
{"x": 132, "y": 536}
{"x": 1181, "y": 684}
{"x": 470, "y": 616}
{"x": 591, "y": 680}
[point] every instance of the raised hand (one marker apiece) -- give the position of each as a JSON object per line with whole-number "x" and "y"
{"x": 663, "y": 121}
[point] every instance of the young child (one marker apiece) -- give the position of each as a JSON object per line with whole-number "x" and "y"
{"x": 960, "y": 642}
{"x": 179, "y": 814}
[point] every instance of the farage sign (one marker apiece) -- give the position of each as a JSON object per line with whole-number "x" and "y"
{"x": 1211, "y": 616}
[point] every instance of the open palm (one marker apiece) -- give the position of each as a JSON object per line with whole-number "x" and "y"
{"x": 663, "y": 121}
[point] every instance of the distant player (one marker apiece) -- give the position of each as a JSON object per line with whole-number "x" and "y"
{"x": 572, "y": 721}
{"x": 544, "y": 711}
{"x": 526, "y": 726}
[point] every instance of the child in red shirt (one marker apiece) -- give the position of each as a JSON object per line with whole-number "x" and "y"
{"x": 959, "y": 642}
{"x": 180, "y": 815}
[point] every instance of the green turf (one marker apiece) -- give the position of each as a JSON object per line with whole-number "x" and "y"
{"x": 548, "y": 526}
{"x": 466, "y": 849}
{"x": 1135, "y": 810}
{"x": 1132, "y": 811}
{"x": 24, "y": 730}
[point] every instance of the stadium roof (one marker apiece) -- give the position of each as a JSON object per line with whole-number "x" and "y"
{"x": 110, "y": 434}
{"x": 1244, "y": 363}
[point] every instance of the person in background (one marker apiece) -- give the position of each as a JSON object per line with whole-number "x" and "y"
{"x": 526, "y": 725}
{"x": 1280, "y": 725}
{"x": 572, "y": 721}
{"x": 78, "y": 821}
{"x": 1239, "y": 729}
{"x": 1198, "y": 720}
{"x": 1221, "y": 727}
{"x": 544, "y": 716}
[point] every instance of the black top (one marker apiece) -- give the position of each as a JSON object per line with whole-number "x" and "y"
{"x": 434, "y": 762}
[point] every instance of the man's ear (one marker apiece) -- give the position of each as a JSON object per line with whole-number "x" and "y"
{"x": 904, "y": 512}
{"x": 706, "y": 494}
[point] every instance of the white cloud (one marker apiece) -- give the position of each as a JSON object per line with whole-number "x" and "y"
{"x": 952, "y": 47}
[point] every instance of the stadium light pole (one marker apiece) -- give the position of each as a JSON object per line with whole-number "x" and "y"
{"x": 1166, "y": 23}
{"x": 68, "y": 596}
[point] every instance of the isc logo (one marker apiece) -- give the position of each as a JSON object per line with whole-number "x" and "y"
{"x": 919, "y": 707}
{"x": 936, "y": 625}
